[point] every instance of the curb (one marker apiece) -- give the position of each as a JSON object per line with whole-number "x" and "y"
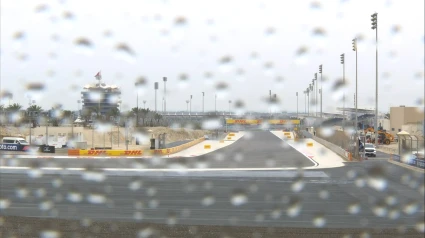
{"x": 406, "y": 166}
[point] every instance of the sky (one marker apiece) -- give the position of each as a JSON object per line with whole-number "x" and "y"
{"x": 238, "y": 50}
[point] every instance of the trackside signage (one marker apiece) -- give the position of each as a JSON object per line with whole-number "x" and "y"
{"x": 14, "y": 147}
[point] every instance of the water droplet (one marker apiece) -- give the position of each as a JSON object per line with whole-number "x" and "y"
{"x": 93, "y": 175}
{"x": 420, "y": 226}
{"x": 138, "y": 215}
{"x": 19, "y": 35}
{"x": 391, "y": 200}
{"x": 360, "y": 182}
{"x": 57, "y": 183}
{"x": 45, "y": 205}
{"x": 410, "y": 208}
{"x": 354, "y": 208}
{"x": 41, "y": 8}
{"x": 377, "y": 178}
{"x": 315, "y": 5}
{"x": 259, "y": 217}
{"x": 4, "y": 203}
{"x": 139, "y": 205}
{"x": 135, "y": 185}
{"x": 68, "y": 15}
{"x": 319, "y": 220}
{"x": 50, "y": 234}
{"x": 395, "y": 29}
{"x": 84, "y": 46}
{"x": 146, "y": 232}
{"x": 171, "y": 218}
{"x": 379, "y": 209}
{"x": 225, "y": 63}
{"x": 40, "y": 192}
{"x": 124, "y": 52}
{"x": 318, "y": 31}
{"x": 393, "y": 214}
{"x": 21, "y": 191}
{"x": 141, "y": 85}
{"x": 153, "y": 204}
{"x": 180, "y": 21}
{"x": 151, "y": 191}
{"x": 208, "y": 200}
{"x": 238, "y": 197}
{"x": 294, "y": 207}
{"x": 324, "y": 194}
{"x": 298, "y": 184}
{"x": 301, "y": 55}
{"x": 96, "y": 198}
{"x": 74, "y": 196}
{"x": 276, "y": 213}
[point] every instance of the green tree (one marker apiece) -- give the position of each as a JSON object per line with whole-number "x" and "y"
{"x": 144, "y": 113}
{"x": 14, "y": 107}
{"x": 157, "y": 117}
{"x": 34, "y": 108}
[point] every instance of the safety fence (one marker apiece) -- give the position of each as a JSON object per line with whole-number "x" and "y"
{"x": 411, "y": 160}
{"x": 167, "y": 151}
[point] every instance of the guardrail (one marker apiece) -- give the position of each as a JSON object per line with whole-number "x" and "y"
{"x": 338, "y": 150}
{"x": 410, "y": 160}
{"x": 168, "y": 151}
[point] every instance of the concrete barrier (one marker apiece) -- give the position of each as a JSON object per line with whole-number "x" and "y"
{"x": 77, "y": 152}
{"x": 338, "y": 150}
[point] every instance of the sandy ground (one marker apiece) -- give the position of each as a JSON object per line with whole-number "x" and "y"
{"x": 115, "y": 136}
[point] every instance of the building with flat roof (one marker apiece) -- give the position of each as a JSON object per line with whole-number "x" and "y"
{"x": 100, "y": 97}
{"x": 403, "y": 115}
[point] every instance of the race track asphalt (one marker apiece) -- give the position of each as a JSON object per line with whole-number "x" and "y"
{"x": 372, "y": 196}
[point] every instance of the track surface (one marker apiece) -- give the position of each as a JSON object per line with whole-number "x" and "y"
{"x": 345, "y": 197}
{"x": 260, "y": 149}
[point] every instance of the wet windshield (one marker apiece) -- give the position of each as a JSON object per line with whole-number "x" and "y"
{"x": 188, "y": 118}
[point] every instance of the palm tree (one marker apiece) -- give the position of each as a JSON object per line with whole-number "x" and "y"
{"x": 144, "y": 113}
{"x": 14, "y": 107}
{"x": 157, "y": 117}
{"x": 34, "y": 108}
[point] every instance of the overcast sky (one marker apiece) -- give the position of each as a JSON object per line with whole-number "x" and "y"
{"x": 251, "y": 46}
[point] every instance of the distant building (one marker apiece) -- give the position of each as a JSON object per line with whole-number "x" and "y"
{"x": 100, "y": 96}
{"x": 402, "y": 115}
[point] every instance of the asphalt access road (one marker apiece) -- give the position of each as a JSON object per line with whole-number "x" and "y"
{"x": 257, "y": 149}
{"x": 344, "y": 197}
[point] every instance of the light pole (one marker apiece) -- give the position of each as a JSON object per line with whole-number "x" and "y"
{"x": 305, "y": 101}
{"x": 187, "y": 106}
{"x": 308, "y": 99}
{"x": 144, "y": 104}
{"x": 203, "y": 95}
{"x": 343, "y": 93}
{"x": 190, "y": 106}
{"x": 137, "y": 109}
{"x": 230, "y": 101}
{"x": 165, "y": 93}
{"x": 47, "y": 132}
{"x": 156, "y": 88}
{"x": 297, "y": 104}
{"x": 215, "y": 104}
{"x": 317, "y": 96}
{"x": 321, "y": 90}
{"x": 79, "y": 111}
{"x": 312, "y": 96}
{"x": 356, "y": 101}
{"x": 270, "y": 101}
{"x": 375, "y": 27}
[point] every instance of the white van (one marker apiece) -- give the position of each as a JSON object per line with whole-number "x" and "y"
{"x": 15, "y": 140}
